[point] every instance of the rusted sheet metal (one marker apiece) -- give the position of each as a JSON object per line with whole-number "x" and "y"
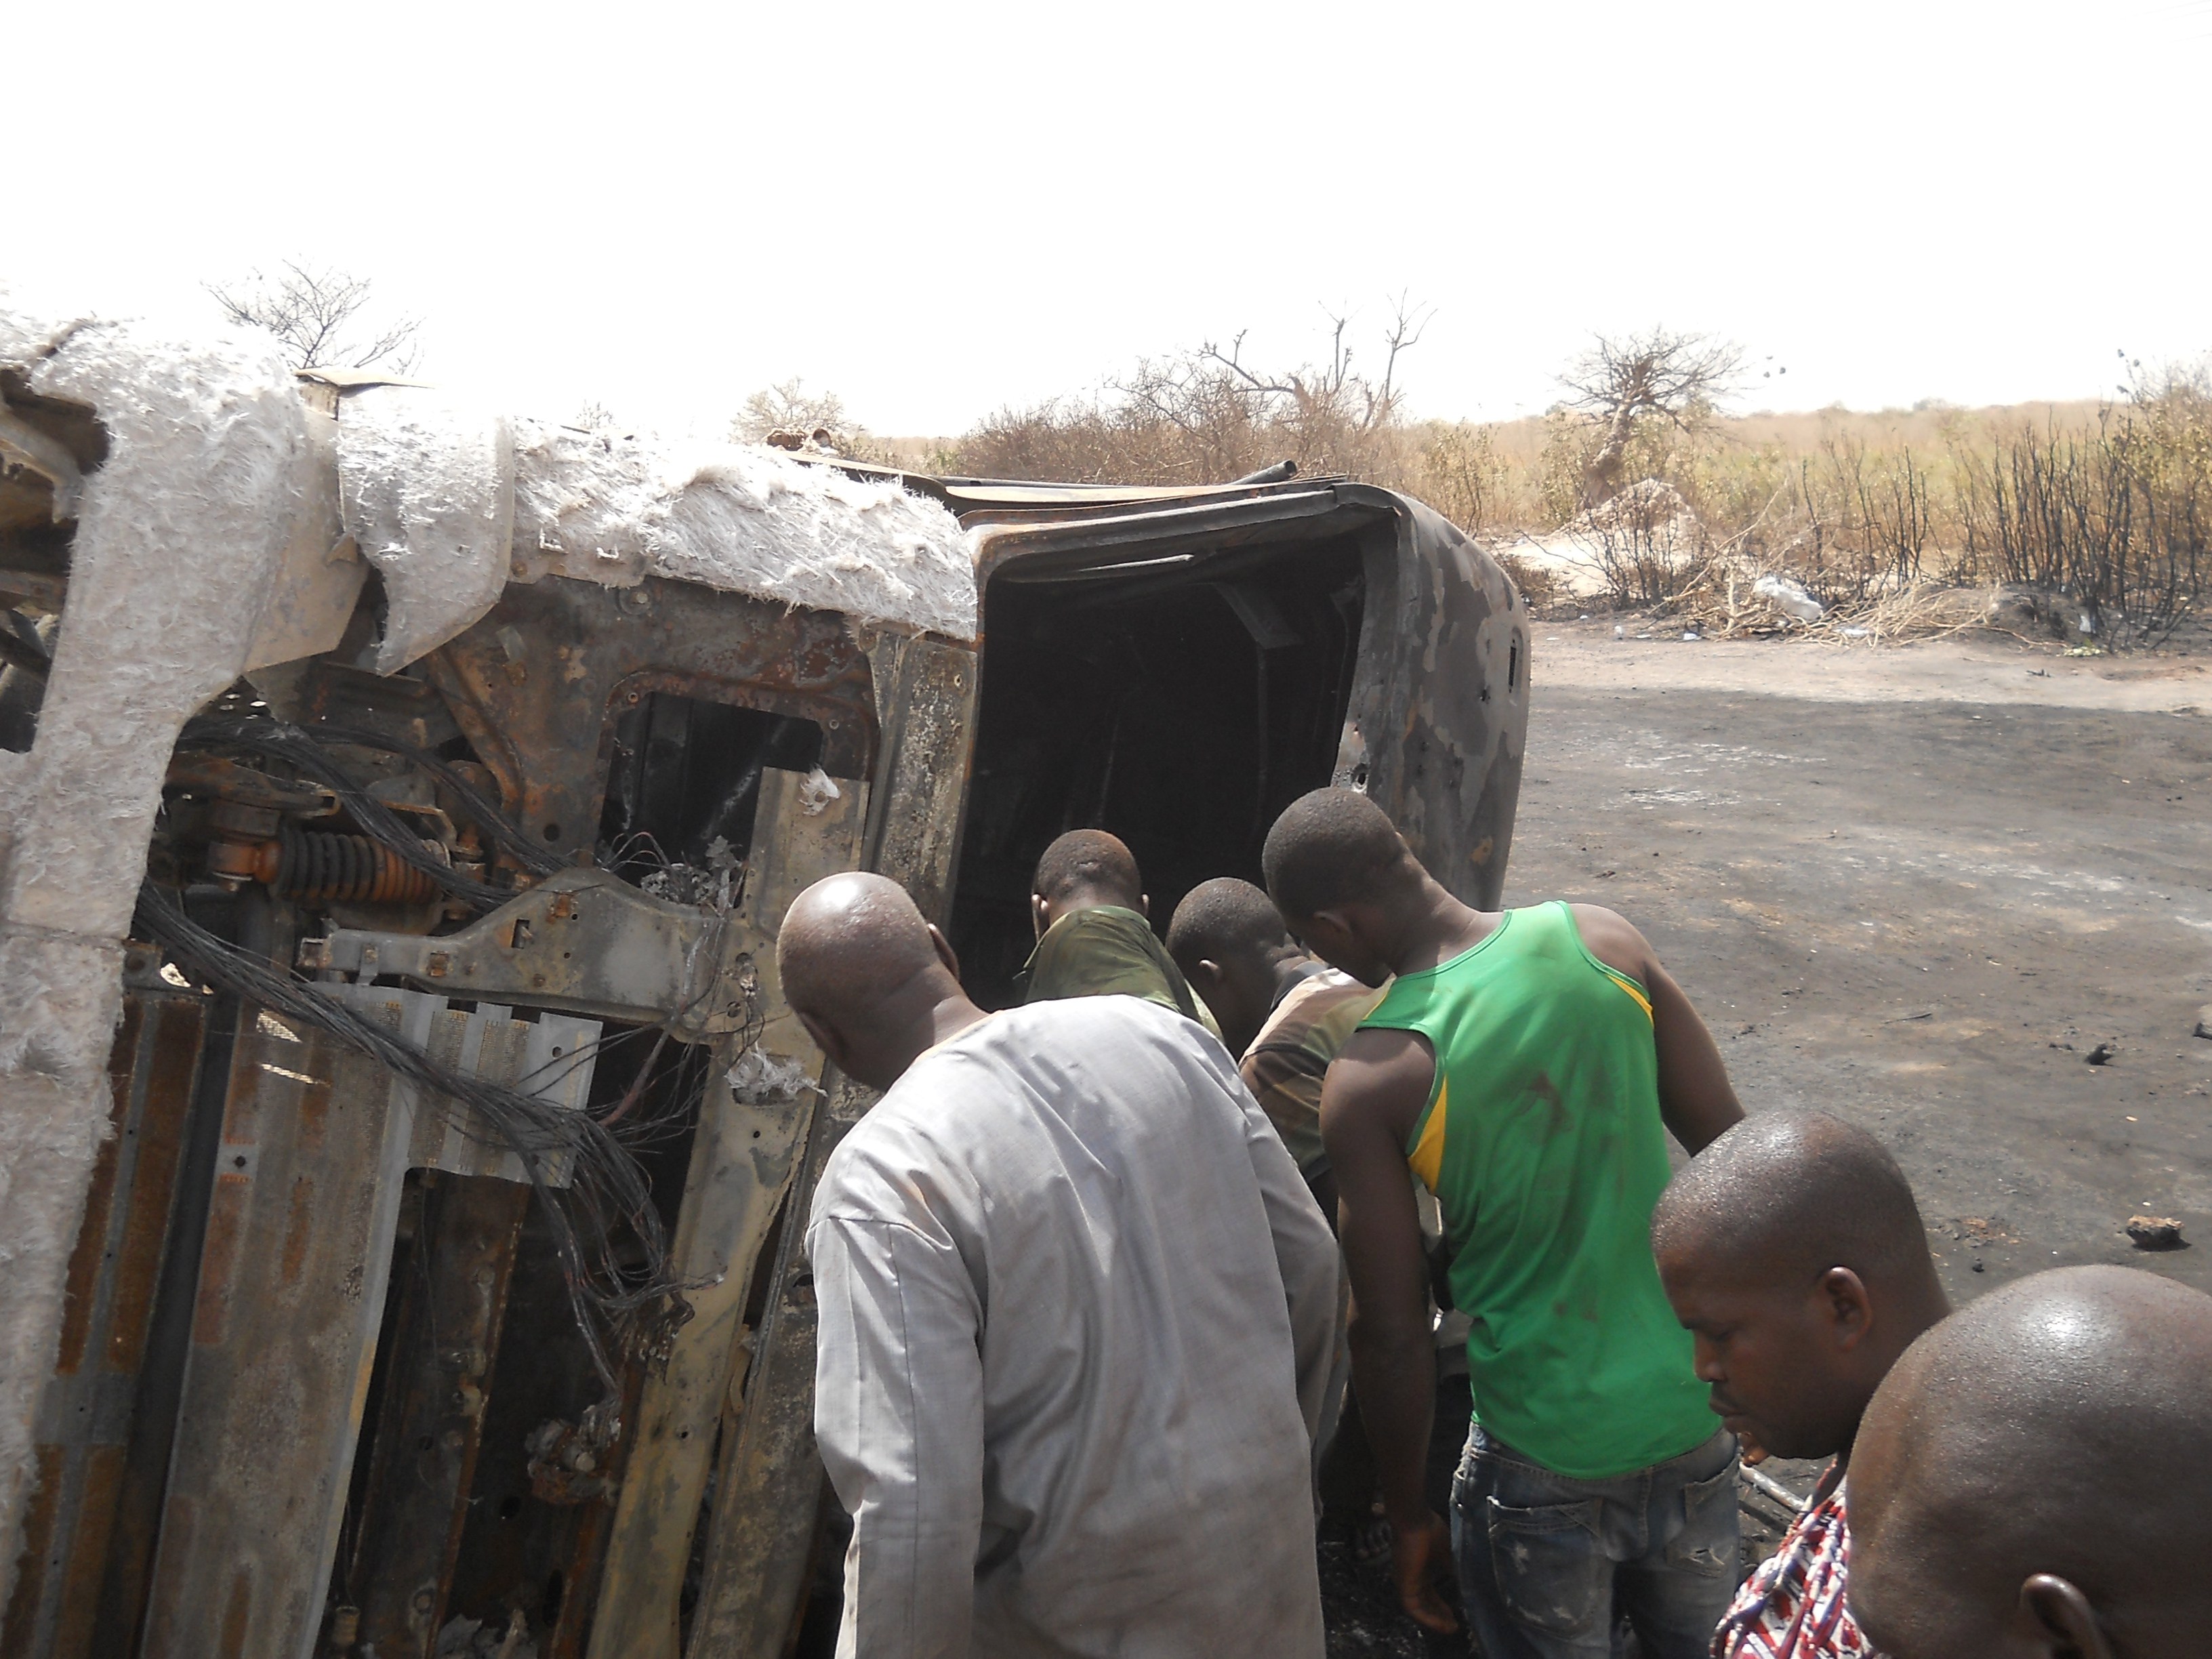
{"x": 581, "y": 940}
{"x": 453, "y": 1306}
{"x": 291, "y": 1291}
{"x": 1439, "y": 715}
{"x": 768, "y": 1483}
{"x": 748, "y": 1146}
{"x": 926, "y": 691}
{"x": 769, "y": 1487}
{"x": 1439, "y": 705}
{"x": 316, "y": 1141}
{"x": 86, "y": 1414}
{"x": 533, "y": 684}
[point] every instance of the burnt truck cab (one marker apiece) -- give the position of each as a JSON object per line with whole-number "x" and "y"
{"x": 427, "y": 1148}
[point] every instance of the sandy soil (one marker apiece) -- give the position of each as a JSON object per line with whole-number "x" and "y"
{"x": 1917, "y": 886}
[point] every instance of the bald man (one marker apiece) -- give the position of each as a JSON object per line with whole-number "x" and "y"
{"x": 1527, "y": 1065}
{"x": 2030, "y": 1480}
{"x": 1094, "y": 938}
{"x": 1793, "y": 1253}
{"x": 1077, "y": 1316}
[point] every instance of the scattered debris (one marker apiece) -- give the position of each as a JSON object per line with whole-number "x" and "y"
{"x": 2155, "y": 1232}
{"x": 1981, "y": 1229}
{"x": 1790, "y": 597}
{"x": 816, "y": 793}
{"x": 759, "y": 1078}
{"x": 2102, "y": 1054}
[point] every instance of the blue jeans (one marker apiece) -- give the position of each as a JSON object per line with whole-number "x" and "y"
{"x": 1549, "y": 1567}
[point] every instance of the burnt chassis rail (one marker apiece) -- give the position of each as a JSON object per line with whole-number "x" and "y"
{"x": 196, "y": 1440}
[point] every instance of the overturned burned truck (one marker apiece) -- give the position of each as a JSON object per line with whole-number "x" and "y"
{"x": 404, "y": 1148}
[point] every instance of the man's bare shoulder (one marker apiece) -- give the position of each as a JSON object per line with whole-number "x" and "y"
{"x": 1379, "y": 1083}
{"x": 1613, "y": 940}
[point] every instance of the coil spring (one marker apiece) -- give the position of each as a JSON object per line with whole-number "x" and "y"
{"x": 319, "y": 865}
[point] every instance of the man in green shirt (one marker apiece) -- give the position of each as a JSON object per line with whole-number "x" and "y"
{"x": 1093, "y": 940}
{"x": 1527, "y": 1065}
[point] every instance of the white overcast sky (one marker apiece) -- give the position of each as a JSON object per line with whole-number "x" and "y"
{"x": 936, "y": 210}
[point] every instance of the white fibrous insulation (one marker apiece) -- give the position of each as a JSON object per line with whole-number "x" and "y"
{"x": 426, "y": 488}
{"x": 616, "y": 509}
{"x": 179, "y": 540}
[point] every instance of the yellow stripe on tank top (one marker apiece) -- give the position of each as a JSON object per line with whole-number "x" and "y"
{"x": 1631, "y": 987}
{"x": 1426, "y": 1160}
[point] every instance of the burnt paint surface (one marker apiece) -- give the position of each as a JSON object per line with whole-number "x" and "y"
{"x": 533, "y": 682}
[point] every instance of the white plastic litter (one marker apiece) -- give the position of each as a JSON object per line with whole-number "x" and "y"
{"x": 1789, "y": 597}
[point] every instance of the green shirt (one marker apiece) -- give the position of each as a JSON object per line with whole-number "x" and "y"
{"x": 1544, "y": 1147}
{"x": 1106, "y": 951}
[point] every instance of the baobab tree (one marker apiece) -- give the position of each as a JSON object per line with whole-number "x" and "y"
{"x": 1624, "y": 379}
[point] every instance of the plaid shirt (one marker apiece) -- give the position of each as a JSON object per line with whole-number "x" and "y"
{"x": 1792, "y": 1606}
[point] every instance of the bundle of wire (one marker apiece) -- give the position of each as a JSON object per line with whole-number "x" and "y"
{"x": 635, "y": 1306}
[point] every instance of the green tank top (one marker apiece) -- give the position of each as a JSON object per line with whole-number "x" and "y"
{"x": 1544, "y": 1147}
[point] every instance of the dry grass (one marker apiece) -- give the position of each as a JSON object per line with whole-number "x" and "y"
{"x": 2105, "y": 510}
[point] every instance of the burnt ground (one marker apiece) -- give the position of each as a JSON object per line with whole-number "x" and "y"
{"x": 1917, "y": 887}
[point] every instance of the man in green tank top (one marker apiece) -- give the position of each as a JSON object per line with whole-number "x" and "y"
{"x": 1527, "y": 1065}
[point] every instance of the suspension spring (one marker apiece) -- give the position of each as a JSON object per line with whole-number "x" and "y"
{"x": 313, "y": 864}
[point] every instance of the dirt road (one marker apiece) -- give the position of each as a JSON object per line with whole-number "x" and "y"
{"x": 1918, "y": 887}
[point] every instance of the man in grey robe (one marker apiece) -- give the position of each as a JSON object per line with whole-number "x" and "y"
{"x": 1077, "y": 1316}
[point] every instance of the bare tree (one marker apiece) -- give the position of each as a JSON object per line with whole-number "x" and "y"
{"x": 313, "y": 313}
{"x": 787, "y": 406}
{"x": 1624, "y": 379}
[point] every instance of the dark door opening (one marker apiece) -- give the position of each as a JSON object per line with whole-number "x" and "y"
{"x": 1179, "y": 703}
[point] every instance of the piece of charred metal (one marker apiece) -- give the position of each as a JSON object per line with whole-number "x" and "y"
{"x": 545, "y": 863}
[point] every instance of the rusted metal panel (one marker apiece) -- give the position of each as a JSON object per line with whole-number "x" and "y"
{"x": 316, "y": 1141}
{"x": 747, "y": 1149}
{"x": 1439, "y": 714}
{"x": 448, "y": 1331}
{"x": 291, "y": 1291}
{"x": 926, "y": 689}
{"x": 1439, "y": 707}
{"x": 768, "y": 1487}
{"x": 533, "y": 682}
{"x": 581, "y": 940}
{"x": 86, "y": 1412}
{"x": 768, "y": 1482}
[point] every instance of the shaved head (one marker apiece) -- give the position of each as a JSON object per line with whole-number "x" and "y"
{"x": 1789, "y": 1195}
{"x": 2031, "y": 1477}
{"x": 1229, "y": 941}
{"x": 1331, "y": 848}
{"x": 1224, "y": 918}
{"x": 867, "y": 973}
{"x": 1092, "y": 859}
{"x": 1793, "y": 1253}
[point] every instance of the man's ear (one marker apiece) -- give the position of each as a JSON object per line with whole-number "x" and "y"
{"x": 1040, "y": 914}
{"x": 1205, "y": 971}
{"x": 2060, "y": 1616}
{"x": 1339, "y": 920}
{"x": 1145, "y": 905}
{"x": 1849, "y": 1309}
{"x": 944, "y": 952}
{"x": 825, "y": 1038}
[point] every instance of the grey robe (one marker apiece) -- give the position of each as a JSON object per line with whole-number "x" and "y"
{"x": 1077, "y": 1310}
